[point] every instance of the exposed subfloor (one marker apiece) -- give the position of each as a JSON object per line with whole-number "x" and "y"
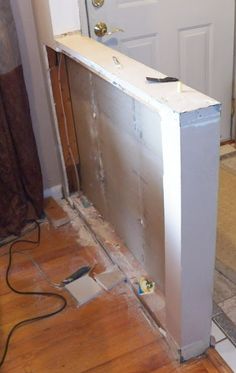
{"x": 111, "y": 334}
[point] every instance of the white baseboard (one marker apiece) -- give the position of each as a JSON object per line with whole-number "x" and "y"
{"x": 194, "y": 350}
{"x": 55, "y": 192}
{"x": 189, "y": 351}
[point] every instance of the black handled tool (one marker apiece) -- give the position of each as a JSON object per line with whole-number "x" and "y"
{"x": 81, "y": 272}
{"x": 168, "y": 79}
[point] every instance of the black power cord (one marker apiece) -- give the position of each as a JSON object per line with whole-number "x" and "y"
{"x": 30, "y": 293}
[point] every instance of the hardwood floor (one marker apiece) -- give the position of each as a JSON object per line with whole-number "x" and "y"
{"x": 111, "y": 334}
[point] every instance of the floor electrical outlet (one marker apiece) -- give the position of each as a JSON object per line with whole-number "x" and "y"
{"x": 84, "y": 289}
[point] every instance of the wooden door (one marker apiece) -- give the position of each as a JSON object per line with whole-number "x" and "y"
{"x": 189, "y": 39}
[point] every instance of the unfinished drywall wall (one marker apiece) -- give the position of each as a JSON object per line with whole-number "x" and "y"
{"x": 121, "y": 164}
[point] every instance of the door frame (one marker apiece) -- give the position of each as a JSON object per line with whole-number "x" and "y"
{"x": 84, "y": 17}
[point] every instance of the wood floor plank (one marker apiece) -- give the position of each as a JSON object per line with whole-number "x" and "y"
{"x": 86, "y": 336}
{"x": 217, "y": 361}
{"x": 196, "y": 366}
{"x": 144, "y": 359}
{"x": 111, "y": 334}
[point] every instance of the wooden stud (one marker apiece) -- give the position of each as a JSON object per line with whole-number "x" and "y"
{"x": 67, "y": 135}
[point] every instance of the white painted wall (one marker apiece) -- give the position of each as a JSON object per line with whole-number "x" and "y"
{"x": 55, "y": 17}
{"x": 37, "y": 93}
{"x": 65, "y": 16}
{"x": 42, "y": 16}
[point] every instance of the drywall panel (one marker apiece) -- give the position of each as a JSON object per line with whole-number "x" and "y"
{"x": 121, "y": 164}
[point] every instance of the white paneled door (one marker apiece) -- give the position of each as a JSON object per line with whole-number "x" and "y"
{"x": 189, "y": 39}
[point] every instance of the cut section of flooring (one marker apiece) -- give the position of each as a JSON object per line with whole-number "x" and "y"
{"x": 84, "y": 289}
{"x": 55, "y": 213}
{"x": 110, "y": 278}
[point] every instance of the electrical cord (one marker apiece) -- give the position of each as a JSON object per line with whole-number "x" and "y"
{"x": 27, "y": 230}
{"x": 30, "y": 293}
{"x": 37, "y": 266}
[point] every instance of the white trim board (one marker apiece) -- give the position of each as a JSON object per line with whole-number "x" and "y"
{"x": 130, "y": 76}
{"x": 83, "y": 17}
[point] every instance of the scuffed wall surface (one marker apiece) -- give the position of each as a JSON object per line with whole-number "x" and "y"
{"x": 121, "y": 164}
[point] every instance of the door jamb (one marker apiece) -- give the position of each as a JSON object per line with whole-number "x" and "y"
{"x": 84, "y": 17}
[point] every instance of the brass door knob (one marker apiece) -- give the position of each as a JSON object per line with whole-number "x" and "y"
{"x": 97, "y": 3}
{"x": 101, "y": 30}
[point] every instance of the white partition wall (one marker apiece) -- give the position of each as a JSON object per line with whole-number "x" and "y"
{"x": 187, "y": 125}
{"x": 190, "y": 156}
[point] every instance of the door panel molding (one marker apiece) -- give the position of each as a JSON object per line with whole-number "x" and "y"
{"x": 193, "y": 43}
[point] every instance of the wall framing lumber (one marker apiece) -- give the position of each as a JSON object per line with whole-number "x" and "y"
{"x": 53, "y": 62}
